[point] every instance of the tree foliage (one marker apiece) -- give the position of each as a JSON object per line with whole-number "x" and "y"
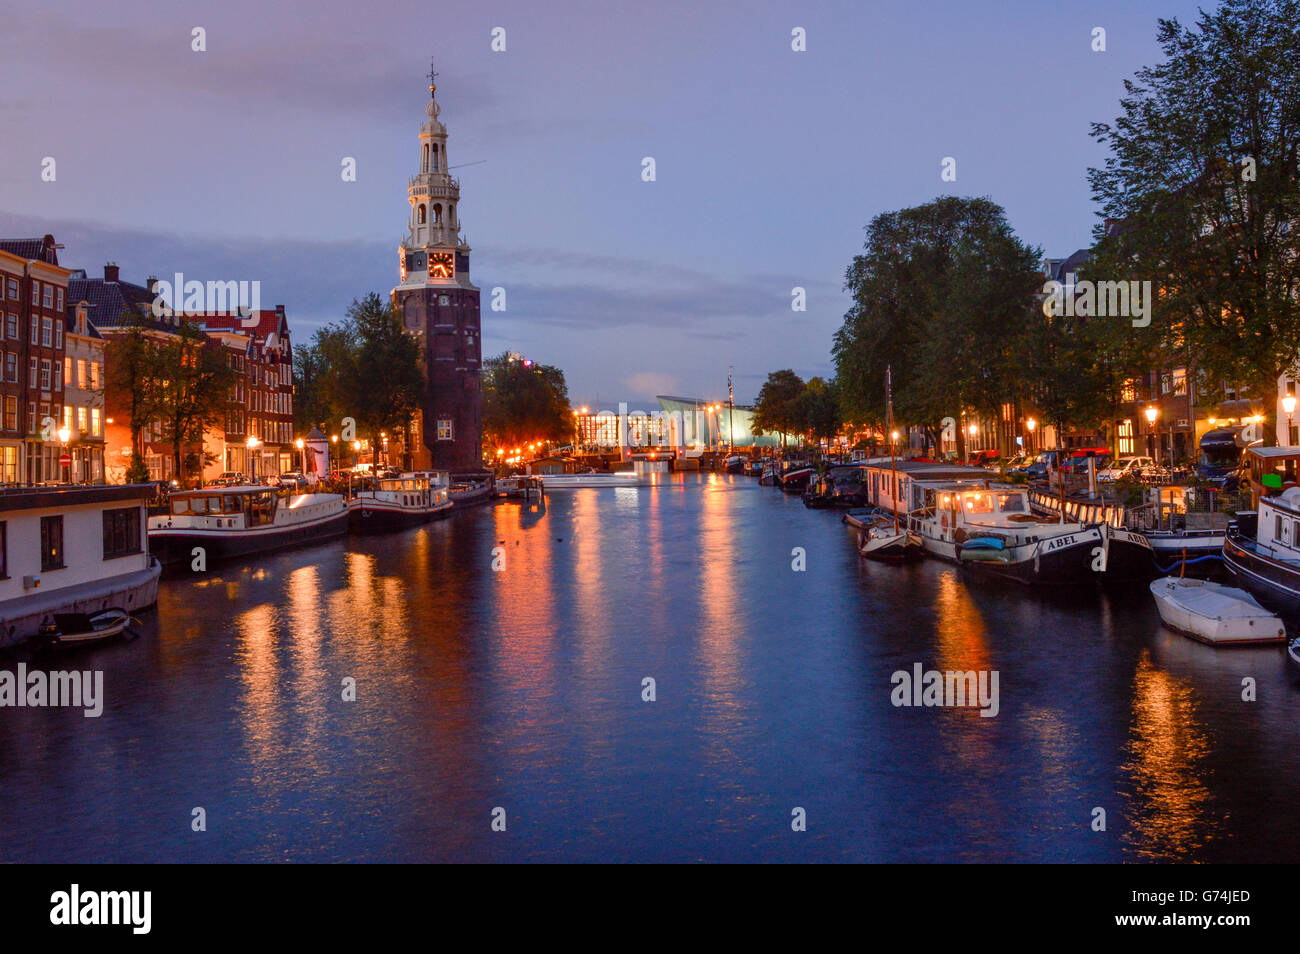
{"x": 1200, "y": 191}
{"x": 524, "y": 402}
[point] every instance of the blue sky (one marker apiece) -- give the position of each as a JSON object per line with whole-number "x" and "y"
{"x": 226, "y": 164}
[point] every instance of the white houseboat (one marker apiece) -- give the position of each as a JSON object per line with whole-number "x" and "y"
{"x": 397, "y": 503}
{"x": 66, "y": 550}
{"x": 236, "y": 521}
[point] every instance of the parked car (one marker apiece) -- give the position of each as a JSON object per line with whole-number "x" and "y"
{"x": 1076, "y": 462}
{"x": 1043, "y": 463}
{"x": 1018, "y": 464}
{"x": 230, "y": 478}
{"x": 980, "y": 458}
{"x": 292, "y": 480}
{"x": 1125, "y": 467}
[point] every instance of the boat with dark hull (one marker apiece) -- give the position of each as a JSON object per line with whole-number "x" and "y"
{"x": 399, "y": 503}
{"x": 1262, "y": 547}
{"x": 231, "y": 522}
{"x": 991, "y": 531}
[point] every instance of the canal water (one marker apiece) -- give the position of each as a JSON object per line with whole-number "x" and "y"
{"x": 521, "y": 689}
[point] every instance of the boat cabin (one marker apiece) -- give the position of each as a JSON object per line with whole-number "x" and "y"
{"x": 903, "y": 484}
{"x": 1271, "y": 470}
{"x": 226, "y": 509}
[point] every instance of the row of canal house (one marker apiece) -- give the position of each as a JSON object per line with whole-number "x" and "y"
{"x": 58, "y": 326}
{"x": 1186, "y": 407}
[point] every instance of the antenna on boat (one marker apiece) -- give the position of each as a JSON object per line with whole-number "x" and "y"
{"x": 889, "y": 405}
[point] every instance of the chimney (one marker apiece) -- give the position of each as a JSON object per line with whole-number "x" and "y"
{"x": 110, "y": 272}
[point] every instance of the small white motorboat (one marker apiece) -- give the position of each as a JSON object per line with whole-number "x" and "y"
{"x": 1215, "y": 614}
{"x": 623, "y": 478}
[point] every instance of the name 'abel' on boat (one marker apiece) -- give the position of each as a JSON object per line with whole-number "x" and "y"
{"x": 235, "y": 521}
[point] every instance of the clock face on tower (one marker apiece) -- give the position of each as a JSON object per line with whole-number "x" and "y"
{"x": 442, "y": 264}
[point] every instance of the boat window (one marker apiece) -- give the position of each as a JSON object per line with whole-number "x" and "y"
{"x": 1011, "y": 503}
{"x": 180, "y": 505}
{"x": 979, "y": 503}
{"x": 232, "y": 505}
{"x": 1277, "y": 527}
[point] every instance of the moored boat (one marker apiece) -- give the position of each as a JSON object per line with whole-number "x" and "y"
{"x": 1215, "y": 614}
{"x": 237, "y": 521}
{"x": 890, "y": 543}
{"x": 74, "y": 630}
{"x": 796, "y": 479}
{"x": 991, "y": 531}
{"x": 623, "y": 478}
{"x": 397, "y": 503}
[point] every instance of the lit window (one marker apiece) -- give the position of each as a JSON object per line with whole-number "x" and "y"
{"x": 444, "y": 430}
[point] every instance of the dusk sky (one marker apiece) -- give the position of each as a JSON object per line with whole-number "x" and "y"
{"x": 226, "y": 164}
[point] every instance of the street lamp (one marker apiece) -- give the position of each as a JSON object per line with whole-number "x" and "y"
{"x": 302, "y": 457}
{"x": 1031, "y": 424}
{"x": 251, "y": 444}
{"x": 64, "y": 435}
{"x": 970, "y": 447}
{"x": 1151, "y": 413}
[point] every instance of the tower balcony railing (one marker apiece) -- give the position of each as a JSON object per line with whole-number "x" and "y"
{"x": 426, "y": 184}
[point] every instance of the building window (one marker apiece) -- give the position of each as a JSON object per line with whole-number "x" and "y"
{"x": 31, "y": 417}
{"x": 11, "y": 419}
{"x": 45, "y": 374}
{"x": 11, "y": 327}
{"x": 58, "y": 334}
{"x": 81, "y": 420}
{"x": 9, "y": 458}
{"x": 1126, "y": 437}
{"x": 36, "y": 331}
{"x": 51, "y": 543}
{"x": 58, "y": 375}
{"x": 121, "y": 532}
{"x": 58, "y": 300}
{"x": 47, "y": 332}
{"x": 11, "y": 367}
{"x": 33, "y": 366}
{"x": 4, "y": 550}
{"x": 47, "y": 299}
{"x": 444, "y": 430}
{"x": 13, "y": 289}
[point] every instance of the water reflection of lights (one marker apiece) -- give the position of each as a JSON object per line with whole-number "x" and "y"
{"x": 1166, "y": 747}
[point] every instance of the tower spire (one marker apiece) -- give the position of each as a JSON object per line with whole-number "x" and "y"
{"x": 433, "y": 79}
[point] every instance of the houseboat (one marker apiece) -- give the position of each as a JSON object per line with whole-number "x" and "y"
{"x": 397, "y": 503}
{"x": 1262, "y": 550}
{"x": 72, "y": 550}
{"x": 236, "y": 521}
{"x": 992, "y": 531}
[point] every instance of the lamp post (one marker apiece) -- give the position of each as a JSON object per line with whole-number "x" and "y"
{"x": 1288, "y": 405}
{"x": 251, "y": 444}
{"x": 1031, "y": 424}
{"x": 970, "y": 447}
{"x": 1151, "y": 413}
{"x": 302, "y": 456}
{"x": 64, "y": 435}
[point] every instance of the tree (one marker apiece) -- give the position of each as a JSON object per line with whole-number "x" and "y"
{"x": 192, "y": 381}
{"x": 1200, "y": 191}
{"x": 778, "y": 408}
{"x": 818, "y": 410}
{"x": 366, "y": 367}
{"x": 944, "y": 294}
{"x": 130, "y": 380}
{"x": 523, "y": 402}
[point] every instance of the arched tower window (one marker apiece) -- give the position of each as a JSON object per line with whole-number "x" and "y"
{"x": 421, "y": 214}
{"x": 451, "y": 214}
{"x": 437, "y": 213}
{"x": 424, "y": 163}
{"x": 435, "y": 157}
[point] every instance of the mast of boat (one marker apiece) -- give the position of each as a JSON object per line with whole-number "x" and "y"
{"x": 893, "y": 474}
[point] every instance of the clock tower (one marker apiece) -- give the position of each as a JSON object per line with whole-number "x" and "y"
{"x": 440, "y": 306}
